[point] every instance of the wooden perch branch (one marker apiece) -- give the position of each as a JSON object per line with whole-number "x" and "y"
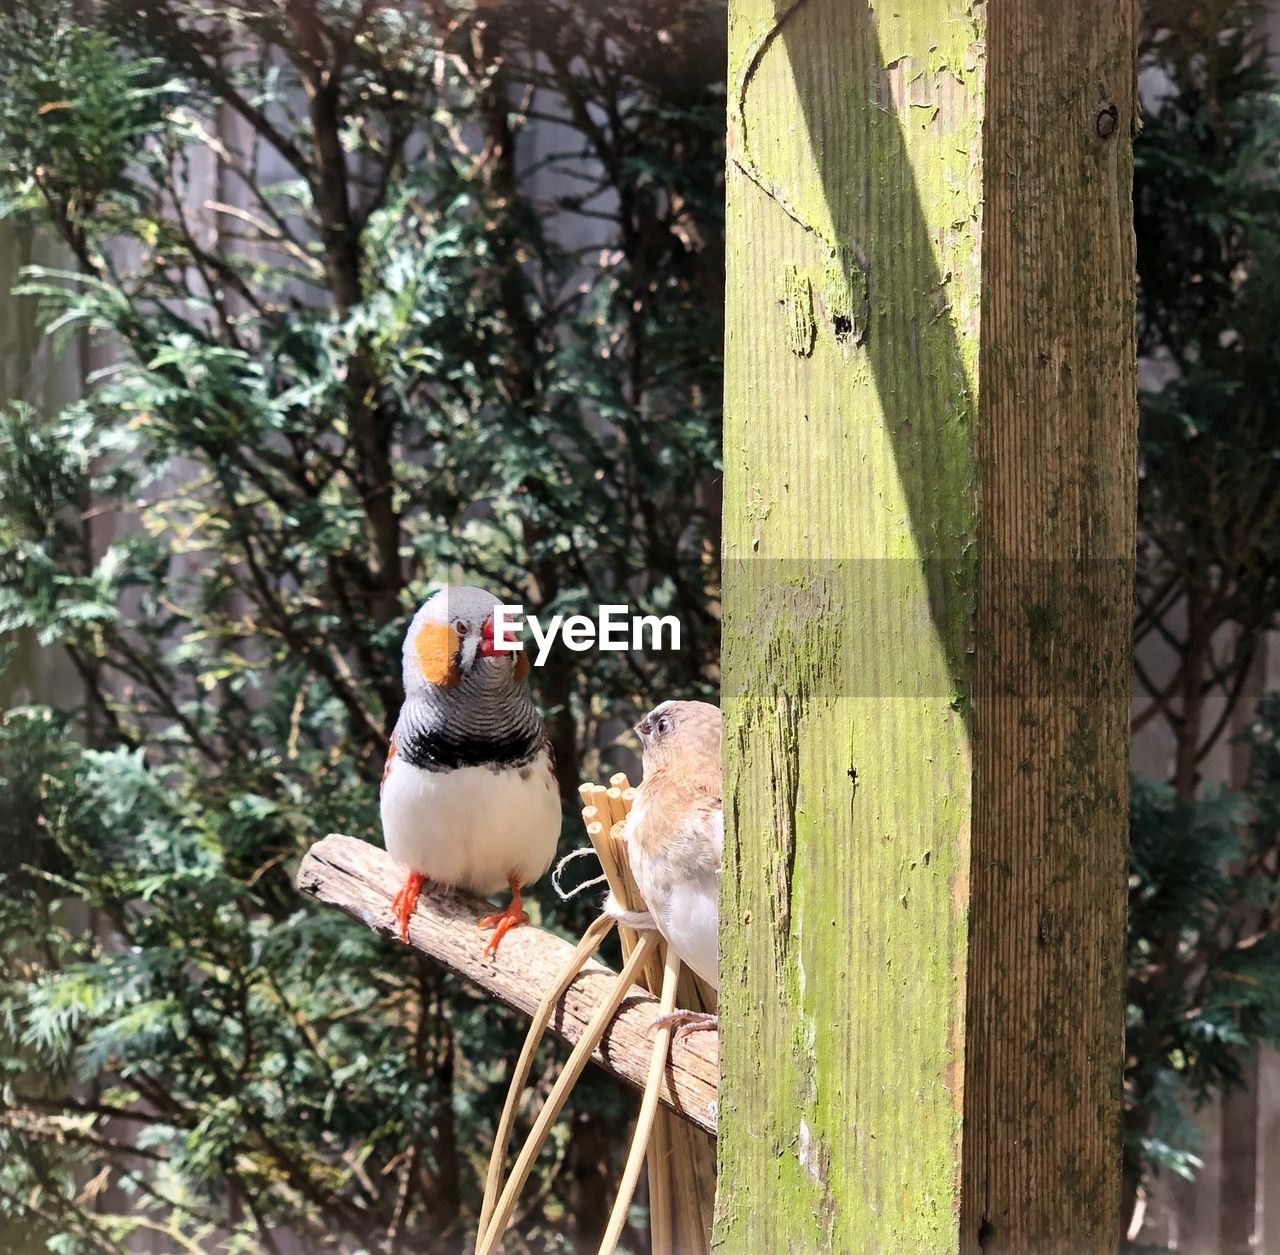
{"x": 361, "y": 879}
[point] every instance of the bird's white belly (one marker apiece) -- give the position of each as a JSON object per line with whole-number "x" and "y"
{"x": 689, "y": 918}
{"x": 686, "y": 910}
{"x": 473, "y": 826}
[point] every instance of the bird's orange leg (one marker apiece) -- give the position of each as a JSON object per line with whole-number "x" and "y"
{"x": 504, "y": 921}
{"x": 405, "y": 901}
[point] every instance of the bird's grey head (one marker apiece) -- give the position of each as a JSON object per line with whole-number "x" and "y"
{"x": 673, "y": 728}
{"x": 449, "y": 647}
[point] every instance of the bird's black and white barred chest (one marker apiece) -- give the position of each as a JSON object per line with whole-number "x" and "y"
{"x": 444, "y": 735}
{"x": 445, "y": 749}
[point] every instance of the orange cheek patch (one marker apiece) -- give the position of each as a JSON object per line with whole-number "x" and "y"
{"x": 522, "y": 665}
{"x": 436, "y": 647}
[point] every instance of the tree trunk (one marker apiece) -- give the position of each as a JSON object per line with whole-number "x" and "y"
{"x": 930, "y": 452}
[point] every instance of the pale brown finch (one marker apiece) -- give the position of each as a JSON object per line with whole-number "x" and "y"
{"x": 675, "y": 839}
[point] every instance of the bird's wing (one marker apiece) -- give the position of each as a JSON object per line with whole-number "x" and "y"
{"x": 551, "y": 757}
{"x": 386, "y": 768}
{"x": 689, "y": 912}
{"x": 697, "y": 842}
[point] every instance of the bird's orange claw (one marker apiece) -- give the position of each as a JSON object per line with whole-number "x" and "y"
{"x": 504, "y": 921}
{"x": 405, "y": 901}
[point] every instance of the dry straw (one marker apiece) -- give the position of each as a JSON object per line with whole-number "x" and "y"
{"x": 680, "y": 1158}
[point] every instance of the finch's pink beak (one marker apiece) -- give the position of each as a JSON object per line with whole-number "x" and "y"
{"x": 486, "y": 649}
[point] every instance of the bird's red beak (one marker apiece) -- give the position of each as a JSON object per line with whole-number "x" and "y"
{"x": 486, "y": 649}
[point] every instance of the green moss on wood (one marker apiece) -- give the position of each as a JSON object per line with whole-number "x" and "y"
{"x": 853, "y": 626}
{"x": 854, "y": 187}
{"x": 798, "y": 301}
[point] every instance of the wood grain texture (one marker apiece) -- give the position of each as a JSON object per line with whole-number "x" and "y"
{"x": 1057, "y": 446}
{"x": 361, "y": 880}
{"x": 929, "y": 469}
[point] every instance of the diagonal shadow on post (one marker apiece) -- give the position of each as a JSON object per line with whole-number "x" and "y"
{"x": 830, "y": 824}
{"x": 886, "y": 291}
{"x": 948, "y": 993}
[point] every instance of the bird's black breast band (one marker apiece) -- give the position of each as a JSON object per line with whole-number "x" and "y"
{"x": 440, "y": 751}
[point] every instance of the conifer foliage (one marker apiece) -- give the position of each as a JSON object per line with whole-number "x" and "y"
{"x": 1204, "y": 927}
{"x": 373, "y": 296}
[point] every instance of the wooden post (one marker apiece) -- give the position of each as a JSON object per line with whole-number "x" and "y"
{"x": 930, "y": 434}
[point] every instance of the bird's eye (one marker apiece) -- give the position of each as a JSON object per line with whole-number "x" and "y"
{"x": 664, "y": 724}
{"x": 460, "y": 626}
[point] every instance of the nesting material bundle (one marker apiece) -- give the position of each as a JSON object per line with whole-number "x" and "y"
{"x": 680, "y": 1157}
